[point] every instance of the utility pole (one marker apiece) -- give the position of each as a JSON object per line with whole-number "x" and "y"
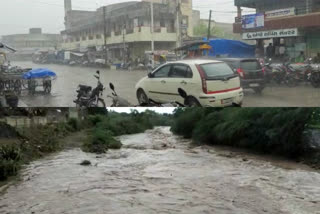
{"x": 124, "y": 44}
{"x": 178, "y": 11}
{"x": 209, "y": 27}
{"x": 105, "y": 33}
{"x": 152, "y": 32}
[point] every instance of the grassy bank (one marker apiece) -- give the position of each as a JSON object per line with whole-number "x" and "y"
{"x": 17, "y": 149}
{"x": 278, "y": 131}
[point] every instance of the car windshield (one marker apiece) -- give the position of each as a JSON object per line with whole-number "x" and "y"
{"x": 217, "y": 70}
{"x": 250, "y": 65}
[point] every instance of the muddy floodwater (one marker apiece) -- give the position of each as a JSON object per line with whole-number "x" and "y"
{"x": 157, "y": 172}
{"x": 64, "y": 89}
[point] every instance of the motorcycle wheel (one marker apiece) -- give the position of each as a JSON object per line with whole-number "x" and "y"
{"x": 291, "y": 81}
{"x": 96, "y": 104}
{"x": 315, "y": 80}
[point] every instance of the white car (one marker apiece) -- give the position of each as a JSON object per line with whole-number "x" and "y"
{"x": 208, "y": 83}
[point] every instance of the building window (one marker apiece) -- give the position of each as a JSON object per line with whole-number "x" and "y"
{"x": 78, "y": 39}
{"x": 98, "y": 36}
{"x": 83, "y": 38}
{"x": 90, "y": 37}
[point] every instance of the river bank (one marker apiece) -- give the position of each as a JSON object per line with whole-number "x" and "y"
{"x": 282, "y": 132}
{"x": 158, "y": 172}
{"x": 17, "y": 149}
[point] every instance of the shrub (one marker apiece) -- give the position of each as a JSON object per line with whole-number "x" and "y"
{"x": 10, "y": 156}
{"x": 275, "y": 130}
{"x": 100, "y": 141}
{"x": 74, "y": 124}
{"x": 8, "y": 168}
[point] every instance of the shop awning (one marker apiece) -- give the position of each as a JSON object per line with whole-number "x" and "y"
{"x": 205, "y": 47}
{"x": 7, "y": 47}
{"x": 192, "y": 46}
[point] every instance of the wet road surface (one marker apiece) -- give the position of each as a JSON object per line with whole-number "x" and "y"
{"x": 156, "y": 172}
{"x": 64, "y": 89}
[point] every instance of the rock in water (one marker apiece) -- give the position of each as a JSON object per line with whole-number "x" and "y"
{"x": 85, "y": 163}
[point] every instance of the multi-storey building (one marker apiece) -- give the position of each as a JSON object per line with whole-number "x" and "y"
{"x": 27, "y": 44}
{"x": 125, "y": 28}
{"x": 294, "y": 23}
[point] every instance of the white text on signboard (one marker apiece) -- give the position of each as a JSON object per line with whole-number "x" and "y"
{"x": 271, "y": 34}
{"x": 280, "y": 13}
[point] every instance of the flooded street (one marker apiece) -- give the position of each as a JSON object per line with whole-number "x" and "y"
{"x": 156, "y": 172}
{"x": 64, "y": 89}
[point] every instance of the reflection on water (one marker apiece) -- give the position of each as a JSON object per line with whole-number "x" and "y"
{"x": 157, "y": 172}
{"x": 64, "y": 87}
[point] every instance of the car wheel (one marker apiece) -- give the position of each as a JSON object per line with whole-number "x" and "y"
{"x": 192, "y": 102}
{"x": 291, "y": 81}
{"x": 142, "y": 97}
{"x": 315, "y": 80}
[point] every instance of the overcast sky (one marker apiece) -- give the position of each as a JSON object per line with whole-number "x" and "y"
{"x": 17, "y": 16}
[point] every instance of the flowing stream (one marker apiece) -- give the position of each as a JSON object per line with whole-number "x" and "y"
{"x": 157, "y": 172}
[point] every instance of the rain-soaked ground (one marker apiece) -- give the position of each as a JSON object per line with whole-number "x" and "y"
{"x": 156, "y": 172}
{"x": 64, "y": 89}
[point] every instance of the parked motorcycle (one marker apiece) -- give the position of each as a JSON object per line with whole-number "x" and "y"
{"x": 116, "y": 100}
{"x": 275, "y": 72}
{"x": 298, "y": 73}
{"x": 90, "y": 98}
{"x": 315, "y": 76}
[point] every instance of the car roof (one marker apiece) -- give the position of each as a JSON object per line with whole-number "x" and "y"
{"x": 237, "y": 59}
{"x": 197, "y": 61}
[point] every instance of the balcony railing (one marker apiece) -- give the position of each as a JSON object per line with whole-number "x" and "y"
{"x": 299, "y": 10}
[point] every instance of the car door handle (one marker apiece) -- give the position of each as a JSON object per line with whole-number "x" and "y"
{"x": 163, "y": 81}
{"x": 184, "y": 82}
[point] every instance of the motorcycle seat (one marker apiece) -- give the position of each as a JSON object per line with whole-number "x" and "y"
{"x": 85, "y": 88}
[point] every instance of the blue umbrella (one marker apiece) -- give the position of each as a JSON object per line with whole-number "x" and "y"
{"x": 39, "y": 73}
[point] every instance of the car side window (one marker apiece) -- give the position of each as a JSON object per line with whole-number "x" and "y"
{"x": 162, "y": 72}
{"x": 181, "y": 71}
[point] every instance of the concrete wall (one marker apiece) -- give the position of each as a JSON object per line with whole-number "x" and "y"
{"x": 24, "y": 122}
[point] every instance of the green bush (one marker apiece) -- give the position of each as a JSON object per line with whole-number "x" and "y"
{"x": 267, "y": 130}
{"x": 10, "y": 156}
{"x": 8, "y": 168}
{"x": 100, "y": 140}
{"x": 95, "y": 119}
{"x": 74, "y": 124}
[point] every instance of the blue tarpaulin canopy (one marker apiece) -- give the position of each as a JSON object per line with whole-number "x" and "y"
{"x": 39, "y": 73}
{"x": 231, "y": 48}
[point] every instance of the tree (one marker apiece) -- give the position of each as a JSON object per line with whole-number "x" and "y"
{"x": 202, "y": 30}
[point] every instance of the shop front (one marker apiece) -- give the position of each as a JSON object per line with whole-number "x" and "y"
{"x": 289, "y": 42}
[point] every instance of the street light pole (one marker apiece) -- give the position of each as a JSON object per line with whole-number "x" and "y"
{"x": 105, "y": 33}
{"x": 124, "y": 44}
{"x": 152, "y": 31}
{"x": 178, "y": 10}
{"x": 209, "y": 27}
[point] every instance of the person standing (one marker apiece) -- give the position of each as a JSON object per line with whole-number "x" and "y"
{"x": 270, "y": 51}
{"x": 301, "y": 58}
{"x": 282, "y": 51}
